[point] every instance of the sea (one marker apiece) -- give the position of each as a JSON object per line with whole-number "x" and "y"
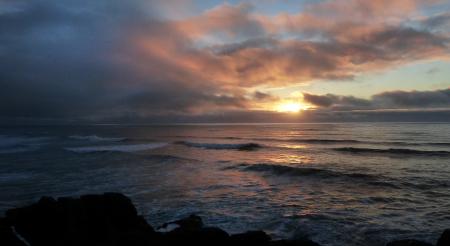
{"x": 335, "y": 183}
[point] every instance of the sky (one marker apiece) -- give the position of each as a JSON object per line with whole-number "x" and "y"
{"x": 162, "y": 61}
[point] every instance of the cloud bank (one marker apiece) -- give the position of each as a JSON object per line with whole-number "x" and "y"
{"x": 141, "y": 60}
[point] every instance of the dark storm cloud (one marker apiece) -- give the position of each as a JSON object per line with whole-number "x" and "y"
{"x": 73, "y": 59}
{"x": 336, "y": 101}
{"x": 186, "y": 102}
{"x": 318, "y": 100}
{"x": 386, "y": 100}
{"x": 261, "y": 96}
{"x": 422, "y": 99}
{"x": 56, "y": 60}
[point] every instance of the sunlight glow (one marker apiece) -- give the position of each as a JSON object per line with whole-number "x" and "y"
{"x": 291, "y": 107}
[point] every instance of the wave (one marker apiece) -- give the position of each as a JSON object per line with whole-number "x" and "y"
{"x": 354, "y": 150}
{"x": 352, "y": 141}
{"x": 439, "y": 144}
{"x": 281, "y": 170}
{"x": 117, "y": 148}
{"x": 310, "y": 140}
{"x": 218, "y": 146}
{"x": 160, "y": 157}
{"x": 7, "y": 141}
{"x": 328, "y": 141}
{"x": 9, "y": 145}
{"x": 320, "y": 141}
{"x": 414, "y": 143}
{"x": 300, "y": 171}
{"x": 95, "y": 138}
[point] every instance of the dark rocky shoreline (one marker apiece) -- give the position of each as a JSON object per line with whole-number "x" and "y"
{"x": 112, "y": 220}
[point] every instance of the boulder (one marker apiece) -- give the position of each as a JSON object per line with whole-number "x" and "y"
{"x": 206, "y": 235}
{"x": 191, "y": 223}
{"x": 112, "y": 220}
{"x": 408, "y": 242}
{"x": 258, "y": 237}
{"x": 444, "y": 240}
{"x": 295, "y": 242}
{"x": 108, "y": 219}
{"x": 7, "y": 235}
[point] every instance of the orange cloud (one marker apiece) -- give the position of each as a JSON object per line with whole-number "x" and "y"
{"x": 140, "y": 62}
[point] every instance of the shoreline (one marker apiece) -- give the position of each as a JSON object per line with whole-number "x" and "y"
{"x": 112, "y": 219}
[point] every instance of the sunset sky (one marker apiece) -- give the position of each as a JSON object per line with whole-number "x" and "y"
{"x": 213, "y": 61}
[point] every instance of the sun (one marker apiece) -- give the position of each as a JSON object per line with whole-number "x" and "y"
{"x": 291, "y": 107}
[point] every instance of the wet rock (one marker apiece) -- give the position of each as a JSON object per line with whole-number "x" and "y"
{"x": 210, "y": 234}
{"x": 112, "y": 220}
{"x": 191, "y": 223}
{"x": 408, "y": 242}
{"x": 7, "y": 235}
{"x": 259, "y": 237}
{"x": 108, "y": 219}
{"x": 206, "y": 235}
{"x": 298, "y": 242}
{"x": 444, "y": 240}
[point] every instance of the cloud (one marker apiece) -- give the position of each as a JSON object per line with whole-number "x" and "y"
{"x": 437, "y": 22}
{"x": 122, "y": 59}
{"x": 261, "y": 96}
{"x": 418, "y": 99}
{"x": 225, "y": 20}
{"x": 336, "y": 101}
{"x": 405, "y": 100}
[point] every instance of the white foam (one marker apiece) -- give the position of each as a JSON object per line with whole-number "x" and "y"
{"x": 6, "y": 141}
{"x": 20, "y": 144}
{"x": 168, "y": 228}
{"x": 219, "y": 146}
{"x": 95, "y": 138}
{"x": 117, "y": 148}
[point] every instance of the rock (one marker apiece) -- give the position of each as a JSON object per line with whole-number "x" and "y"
{"x": 108, "y": 219}
{"x": 408, "y": 242}
{"x": 206, "y": 235}
{"x": 444, "y": 240}
{"x": 213, "y": 234}
{"x": 297, "y": 242}
{"x": 258, "y": 237}
{"x": 191, "y": 223}
{"x": 7, "y": 236}
{"x": 112, "y": 220}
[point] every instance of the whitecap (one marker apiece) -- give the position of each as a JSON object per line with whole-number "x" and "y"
{"x": 221, "y": 146}
{"x": 117, "y": 148}
{"x": 10, "y": 144}
{"x": 95, "y": 138}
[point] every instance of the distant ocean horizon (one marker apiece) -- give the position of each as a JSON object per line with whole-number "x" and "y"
{"x": 351, "y": 183}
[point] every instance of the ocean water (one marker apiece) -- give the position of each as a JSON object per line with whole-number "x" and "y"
{"x": 338, "y": 184}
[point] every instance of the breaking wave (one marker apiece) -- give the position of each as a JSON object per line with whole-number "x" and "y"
{"x": 9, "y": 145}
{"x": 352, "y": 141}
{"x": 328, "y": 141}
{"x": 117, "y": 148}
{"x": 301, "y": 171}
{"x": 95, "y": 138}
{"x": 218, "y": 146}
{"x": 281, "y": 170}
{"x": 392, "y": 151}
